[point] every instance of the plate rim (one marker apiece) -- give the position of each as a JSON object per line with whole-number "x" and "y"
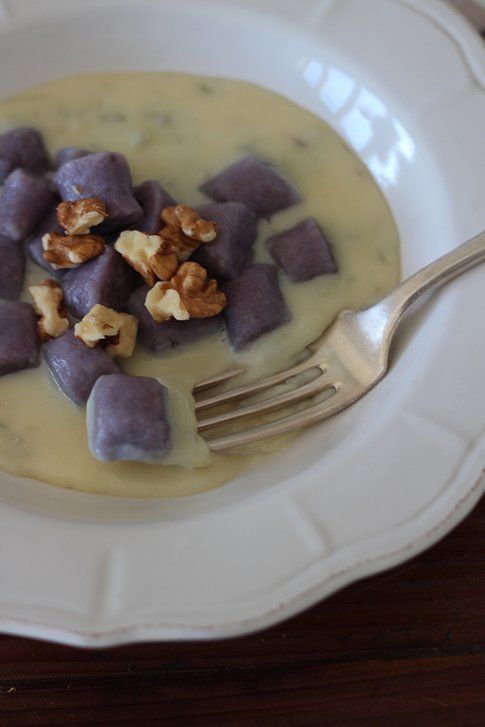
{"x": 448, "y": 19}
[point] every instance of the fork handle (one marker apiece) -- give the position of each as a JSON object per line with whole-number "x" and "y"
{"x": 429, "y": 278}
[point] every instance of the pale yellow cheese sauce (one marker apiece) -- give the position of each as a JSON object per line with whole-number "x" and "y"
{"x": 182, "y": 130}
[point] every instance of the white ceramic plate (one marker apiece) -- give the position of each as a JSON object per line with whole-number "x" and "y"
{"x": 403, "y": 82}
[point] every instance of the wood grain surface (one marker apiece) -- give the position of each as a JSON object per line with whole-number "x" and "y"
{"x": 406, "y": 647}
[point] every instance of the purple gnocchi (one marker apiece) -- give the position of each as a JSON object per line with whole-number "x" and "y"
{"x": 23, "y": 147}
{"x": 105, "y": 175}
{"x": 6, "y": 167}
{"x": 24, "y": 201}
{"x": 254, "y": 183}
{"x": 152, "y": 198}
{"x": 19, "y": 340}
{"x": 303, "y": 251}
{"x": 231, "y": 251}
{"x": 68, "y": 153}
{"x": 12, "y": 269}
{"x": 127, "y": 419}
{"x": 105, "y": 279}
{"x": 159, "y": 337}
{"x": 255, "y": 304}
{"x": 75, "y": 367}
{"x": 35, "y": 247}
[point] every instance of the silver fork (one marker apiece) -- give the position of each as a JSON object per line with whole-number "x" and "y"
{"x": 349, "y": 358}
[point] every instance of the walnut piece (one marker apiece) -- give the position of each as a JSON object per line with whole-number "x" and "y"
{"x": 184, "y": 231}
{"x": 79, "y": 216}
{"x": 123, "y": 345}
{"x": 117, "y": 331}
{"x": 157, "y": 257}
{"x": 187, "y": 295}
{"x": 164, "y": 262}
{"x": 189, "y": 221}
{"x": 48, "y": 303}
{"x": 69, "y": 251}
{"x": 138, "y": 248}
{"x": 177, "y": 245}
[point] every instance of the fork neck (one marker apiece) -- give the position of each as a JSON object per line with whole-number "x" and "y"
{"x": 392, "y": 307}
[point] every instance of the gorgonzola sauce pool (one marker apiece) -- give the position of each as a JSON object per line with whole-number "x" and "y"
{"x": 182, "y": 130}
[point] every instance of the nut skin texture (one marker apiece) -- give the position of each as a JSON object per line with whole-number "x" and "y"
{"x": 190, "y": 222}
{"x": 105, "y": 175}
{"x": 48, "y": 304}
{"x": 36, "y": 249}
{"x": 102, "y": 324}
{"x": 137, "y": 248}
{"x": 164, "y": 336}
{"x": 99, "y": 323}
{"x": 157, "y": 257}
{"x": 163, "y": 264}
{"x": 163, "y": 304}
{"x": 123, "y": 345}
{"x": 70, "y": 251}
{"x": 175, "y": 243}
{"x": 184, "y": 231}
{"x": 77, "y": 217}
{"x": 187, "y": 295}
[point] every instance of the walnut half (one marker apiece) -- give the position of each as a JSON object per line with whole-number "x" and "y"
{"x": 187, "y": 295}
{"x": 69, "y": 251}
{"x": 77, "y": 217}
{"x": 157, "y": 257}
{"x": 139, "y": 250}
{"x": 190, "y": 223}
{"x": 48, "y": 303}
{"x": 183, "y": 232}
{"x": 116, "y": 330}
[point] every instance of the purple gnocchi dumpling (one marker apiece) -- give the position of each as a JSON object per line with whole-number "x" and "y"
{"x": 232, "y": 249}
{"x": 6, "y": 167}
{"x": 68, "y": 153}
{"x": 105, "y": 175}
{"x": 303, "y": 251}
{"x": 254, "y": 183}
{"x": 127, "y": 419}
{"x": 169, "y": 334}
{"x": 75, "y": 367}
{"x": 23, "y": 147}
{"x": 255, "y": 304}
{"x": 12, "y": 269}
{"x": 35, "y": 248}
{"x": 153, "y": 198}
{"x": 105, "y": 279}
{"x": 19, "y": 340}
{"x": 23, "y": 202}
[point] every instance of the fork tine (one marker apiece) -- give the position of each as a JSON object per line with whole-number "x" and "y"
{"x": 306, "y": 417}
{"x": 219, "y": 378}
{"x": 261, "y": 385}
{"x": 267, "y": 405}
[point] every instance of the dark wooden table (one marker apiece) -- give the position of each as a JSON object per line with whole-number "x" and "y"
{"x": 406, "y": 647}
